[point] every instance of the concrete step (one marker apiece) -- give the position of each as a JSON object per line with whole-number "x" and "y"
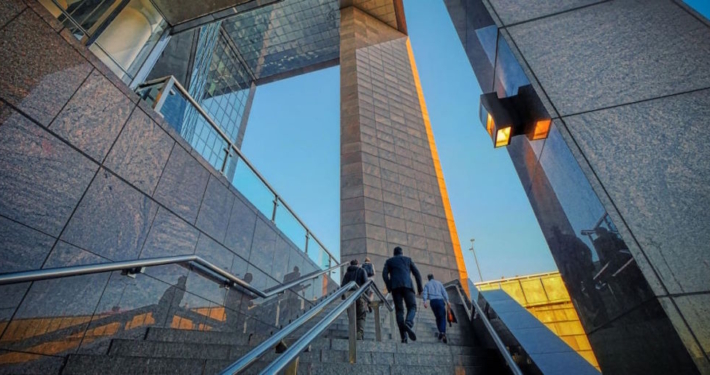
{"x": 79, "y": 364}
{"x": 427, "y": 336}
{"x": 411, "y": 348}
{"x": 202, "y": 337}
{"x": 348, "y": 369}
{"x": 157, "y": 349}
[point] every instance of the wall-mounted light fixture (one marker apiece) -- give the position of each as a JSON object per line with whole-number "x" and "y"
{"x": 515, "y": 115}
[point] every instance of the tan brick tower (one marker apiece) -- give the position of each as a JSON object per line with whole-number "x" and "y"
{"x": 392, "y": 186}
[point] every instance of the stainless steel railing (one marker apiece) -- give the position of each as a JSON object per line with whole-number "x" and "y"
{"x": 160, "y": 91}
{"x": 138, "y": 266}
{"x": 291, "y": 354}
{"x": 479, "y": 313}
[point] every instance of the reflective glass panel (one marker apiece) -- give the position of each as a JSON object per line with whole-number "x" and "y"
{"x": 290, "y": 226}
{"x": 251, "y": 186}
{"x": 192, "y": 125}
{"x": 509, "y": 74}
{"x": 600, "y": 273}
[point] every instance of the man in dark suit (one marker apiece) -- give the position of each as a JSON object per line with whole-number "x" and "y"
{"x": 399, "y": 283}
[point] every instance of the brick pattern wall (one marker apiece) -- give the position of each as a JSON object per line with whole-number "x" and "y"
{"x": 390, "y": 192}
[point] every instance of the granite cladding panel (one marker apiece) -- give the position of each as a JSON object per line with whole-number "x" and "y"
{"x": 169, "y": 235}
{"x": 182, "y": 185}
{"x": 93, "y": 117}
{"x": 664, "y": 192}
{"x": 263, "y": 246}
{"x": 695, "y": 310}
{"x": 615, "y": 53}
{"x": 134, "y": 303}
{"x": 240, "y": 231}
{"x": 40, "y": 70}
{"x": 217, "y": 204}
{"x": 112, "y": 220}
{"x": 56, "y": 308}
{"x": 515, "y": 11}
{"x": 214, "y": 253}
{"x": 22, "y": 248}
{"x": 10, "y": 9}
{"x": 141, "y": 152}
{"x": 41, "y": 178}
{"x": 691, "y": 325}
{"x": 641, "y": 342}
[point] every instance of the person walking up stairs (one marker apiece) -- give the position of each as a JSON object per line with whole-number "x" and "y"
{"x": 399, "y": 283}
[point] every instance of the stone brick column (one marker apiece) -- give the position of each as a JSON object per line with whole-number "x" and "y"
{"x": 392, "y": 187}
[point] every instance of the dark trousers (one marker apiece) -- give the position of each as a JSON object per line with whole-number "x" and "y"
{"x": 438, "y": 306}
{"x": 402, "y": 296}
{"x": 360, "y": 315}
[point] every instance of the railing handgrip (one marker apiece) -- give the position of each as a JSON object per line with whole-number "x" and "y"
{"x": 494, "y": 335}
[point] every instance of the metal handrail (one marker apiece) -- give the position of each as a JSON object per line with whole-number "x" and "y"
{"x": 237, "y": 150}
{"x": 261, "y": 349}
{"x": 469, "y": 313}
{"x": 489, "y": 327}
{"x": 291, "y": 353}
{"x": 302, "y": 343}
{"x": 136, "y": 266}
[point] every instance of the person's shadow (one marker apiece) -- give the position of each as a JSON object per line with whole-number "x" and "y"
{"x": 233, "y": 302}
{"x": 171, "y": 298}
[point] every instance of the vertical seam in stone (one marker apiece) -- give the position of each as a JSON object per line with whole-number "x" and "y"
{"x": 461, "y": 265}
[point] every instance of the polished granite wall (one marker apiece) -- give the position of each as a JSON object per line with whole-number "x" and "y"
{"x": 88, "y": 175}
{"x": 627, "y": 84}
{"x": 391, "y": 184}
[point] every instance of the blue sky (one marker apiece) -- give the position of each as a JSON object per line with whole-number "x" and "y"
{"x": 702, "y": 6}
{"x": 293, "y": 139}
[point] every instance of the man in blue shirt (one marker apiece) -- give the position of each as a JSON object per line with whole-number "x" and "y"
{"x": 435, "y": 292}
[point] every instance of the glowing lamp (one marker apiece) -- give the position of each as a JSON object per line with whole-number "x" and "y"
{"x": 541, "y": 129}
{"x": 523, "y": 113}
{"x": 502, "y": 137}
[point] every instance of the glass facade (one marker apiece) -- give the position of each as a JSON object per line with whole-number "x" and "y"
{"x": 221, "y": 85}
{"x": 615, "y": 303}
{"x": 287, "y": 36}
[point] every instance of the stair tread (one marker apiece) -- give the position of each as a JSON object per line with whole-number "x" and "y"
{"x": 175, "y": 351}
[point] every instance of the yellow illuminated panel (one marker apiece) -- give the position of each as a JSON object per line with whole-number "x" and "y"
{"x": 490, "y": 125}
{"x": 542, "y": 128}
{"x": 503, "y": 137}
{"x": 546, "y": 298}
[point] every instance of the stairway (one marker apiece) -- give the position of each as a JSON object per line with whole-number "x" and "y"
{"x": 173, "y": 351}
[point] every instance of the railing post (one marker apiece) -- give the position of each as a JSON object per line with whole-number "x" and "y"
{"x": 164, "y": 93}
{"x": 307, "y": 235}
{"x": 223, "y": 169}
{"x": 378, "y": 325}
{"x": 276, "y": 204}
{"x": 352, "y": 332}
{"x": 393, "y": 325}
{"x": 291, "y": 369}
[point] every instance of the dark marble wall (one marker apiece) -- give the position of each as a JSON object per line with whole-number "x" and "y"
{"x": 90, "y": 175}
{"x": 627, "y": 85}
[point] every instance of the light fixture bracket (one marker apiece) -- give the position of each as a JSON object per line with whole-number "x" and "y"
{"x": 522, "y": 113}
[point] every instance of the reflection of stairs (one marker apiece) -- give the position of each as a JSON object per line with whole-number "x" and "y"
{"x": 172, "y": 351}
